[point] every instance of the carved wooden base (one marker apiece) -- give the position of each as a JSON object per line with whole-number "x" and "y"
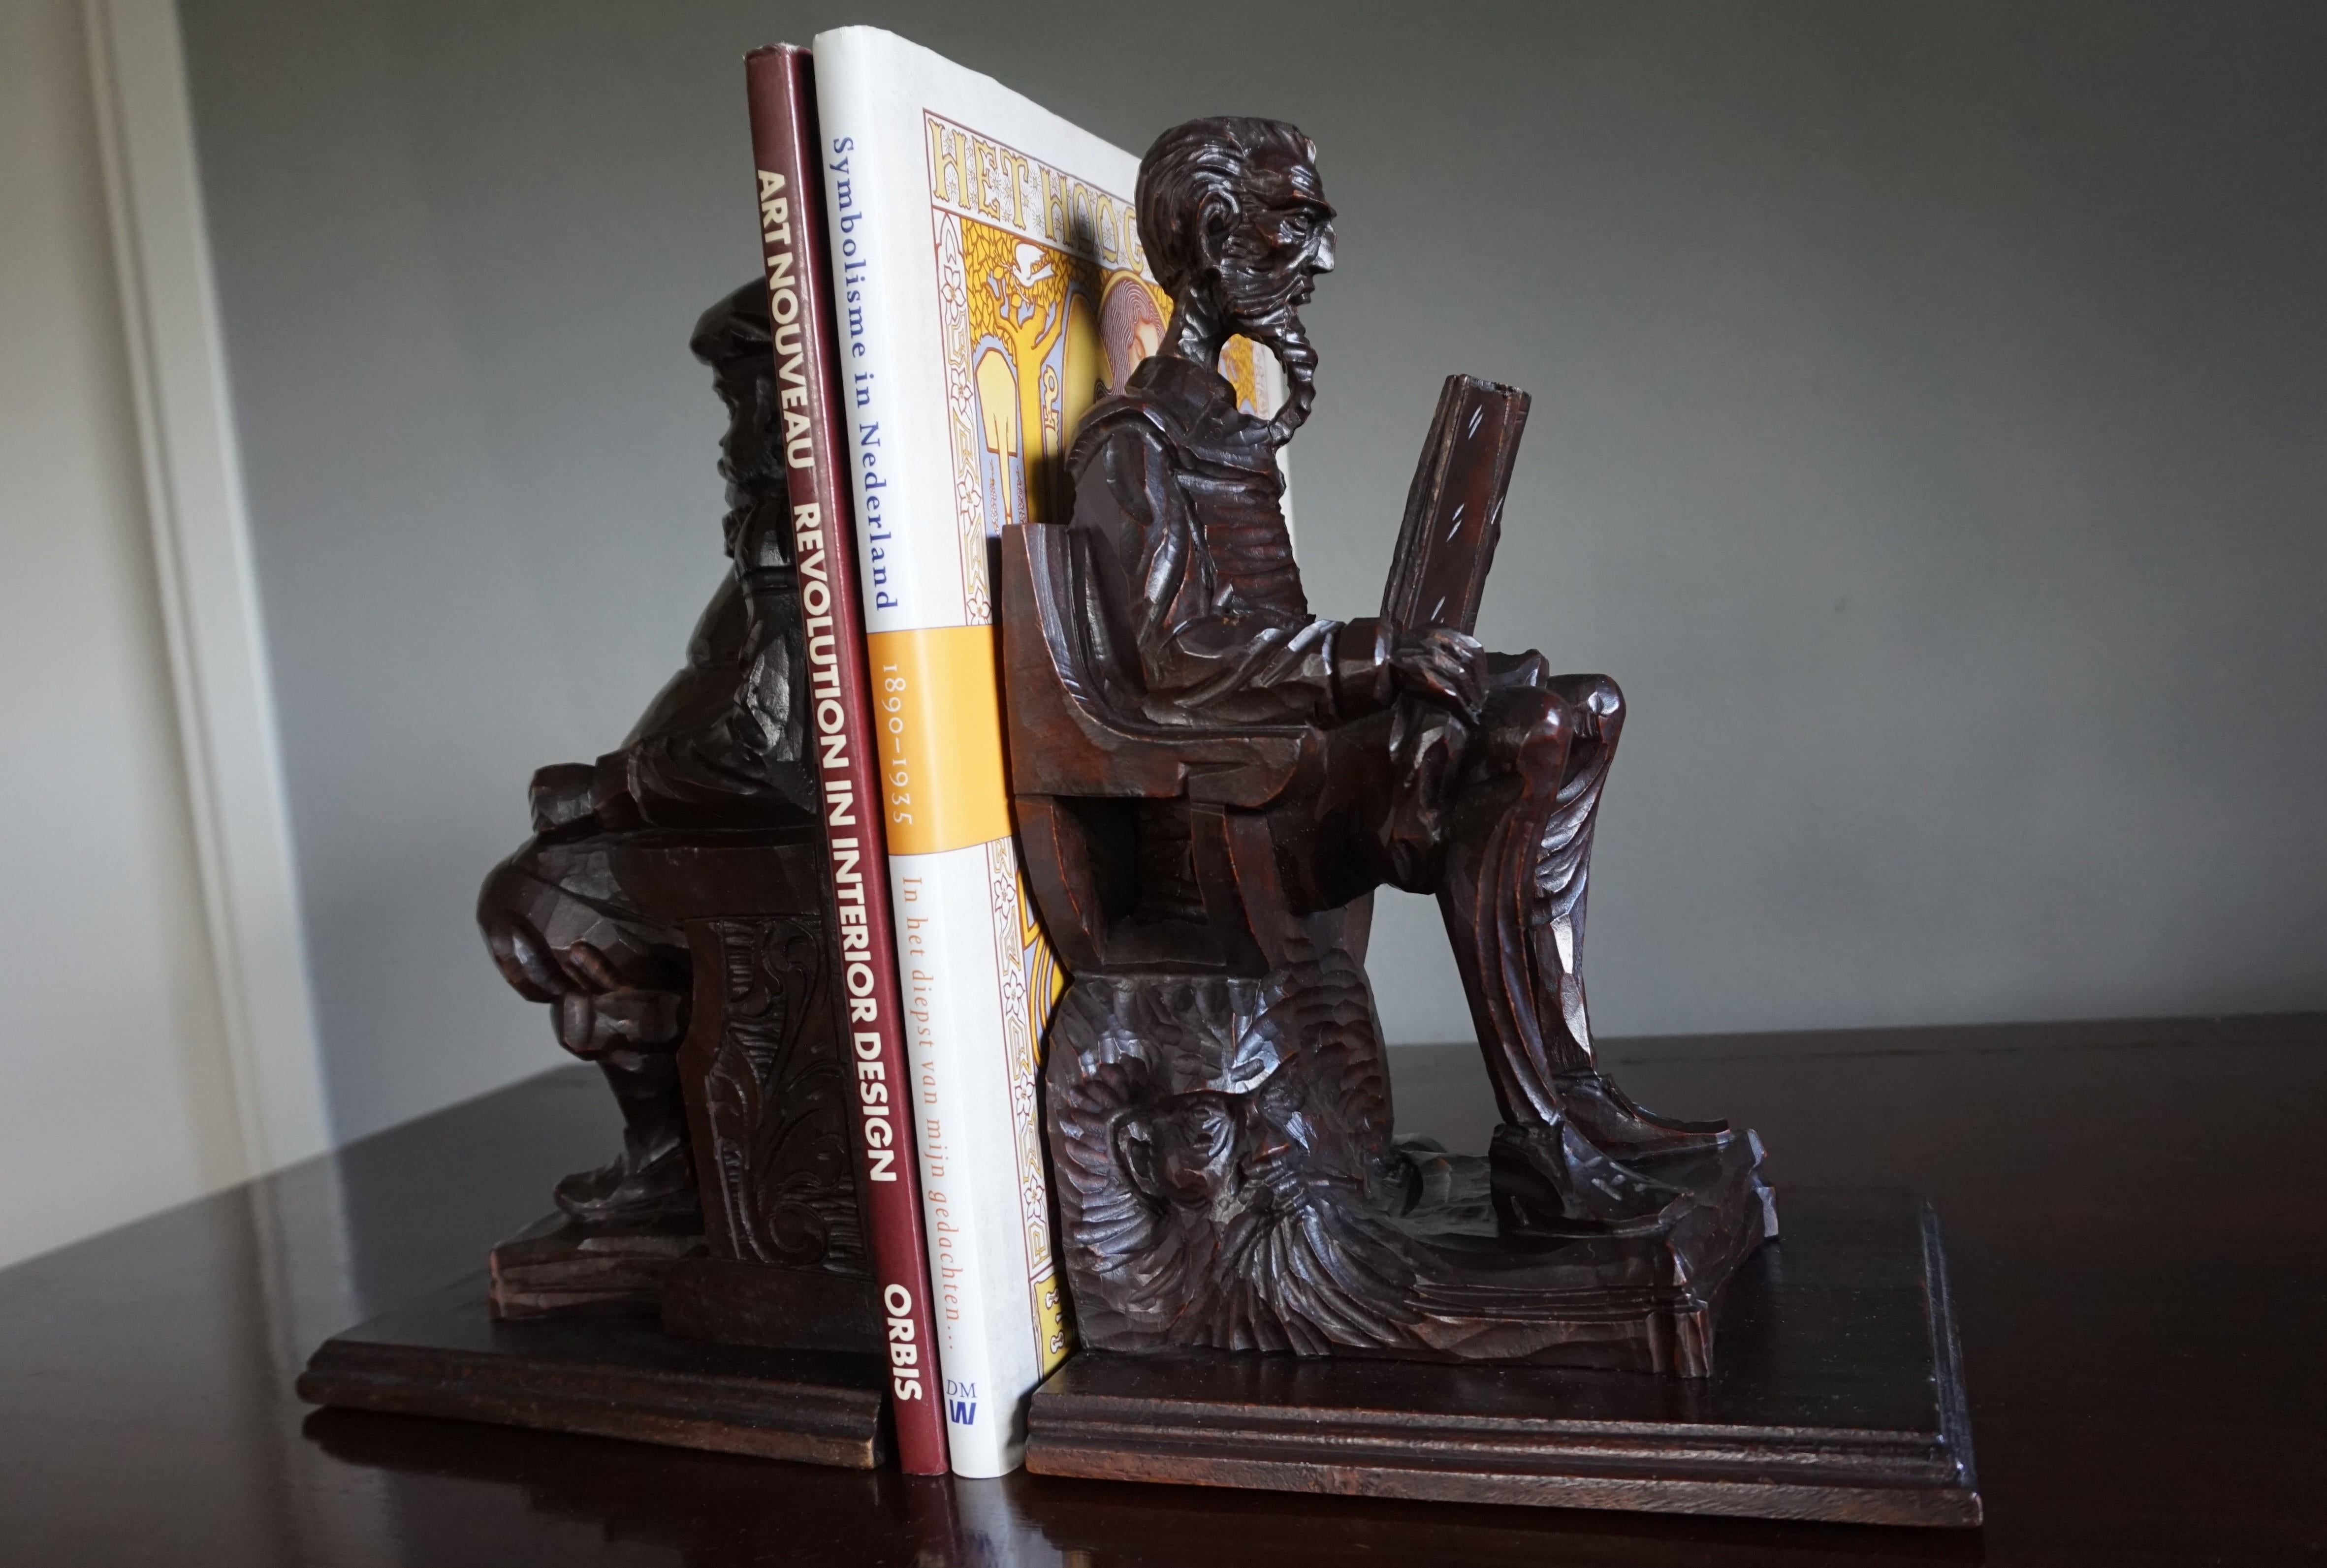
{"x": 781, "y": 1308}
{"x": 1837, "y": 1394}
{"x": 607, "y": 1376}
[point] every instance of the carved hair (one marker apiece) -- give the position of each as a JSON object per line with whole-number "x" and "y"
{"x": 735, "y": 328}
{"x": 1199, "y": 177}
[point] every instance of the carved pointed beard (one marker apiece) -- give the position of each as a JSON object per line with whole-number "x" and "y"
{"x": 1265, "y": 306}
{"x": 1288, "y": 339}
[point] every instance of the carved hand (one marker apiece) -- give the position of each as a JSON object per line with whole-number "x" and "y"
{"x": 1444, "y": 665}
{"x": 608, "y": 1014}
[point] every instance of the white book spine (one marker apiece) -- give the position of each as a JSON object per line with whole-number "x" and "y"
{"x": 976, "y": 978}
{"x": 987, "y": 1326}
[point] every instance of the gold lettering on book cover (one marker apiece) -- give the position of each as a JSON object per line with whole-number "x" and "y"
{"x": 998, "y": 185}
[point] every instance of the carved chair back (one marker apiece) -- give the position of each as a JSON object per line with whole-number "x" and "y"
{"x": 1148, "y": 845}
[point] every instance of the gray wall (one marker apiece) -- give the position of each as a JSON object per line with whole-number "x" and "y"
{"x": 1930, "y": 433}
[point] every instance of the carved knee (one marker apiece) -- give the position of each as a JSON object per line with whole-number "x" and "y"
{"x": 1605, "y": 702}
{"x": 517, "y": 948}
{"x": 1531, "y": 734}
{"x": 613, "y": 984}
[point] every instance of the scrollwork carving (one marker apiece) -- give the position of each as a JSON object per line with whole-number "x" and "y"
{"x": 776, "y": 1100}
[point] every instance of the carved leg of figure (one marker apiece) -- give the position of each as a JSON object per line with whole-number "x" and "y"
{"x": 1600, "y": 1109}
{"x": 553, "y": 920}
{"x": 651, "y": 1184}
{"x": 1513, "y": 896}
{"x": 1488, "y": 897}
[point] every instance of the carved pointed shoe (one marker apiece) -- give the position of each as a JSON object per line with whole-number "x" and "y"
{"x": 1613, "y": 1122}
{"x": 630, "y": 1194}
{"x": 1549, "y": 1180}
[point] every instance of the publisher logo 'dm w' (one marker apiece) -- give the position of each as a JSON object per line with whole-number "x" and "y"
{"x": 961, "y": 1403}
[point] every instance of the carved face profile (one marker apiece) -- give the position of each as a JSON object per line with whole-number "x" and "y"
{"x": 1234, "y": 219}
{"x": 1268, "y": 260}
{"x": 1206, "y": 1132}
{"x": 751, "y": 460}
{"x": 732, "y": 338}
{"x": 1184, "y": 1149}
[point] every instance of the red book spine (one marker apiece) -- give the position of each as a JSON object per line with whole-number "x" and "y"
{"x": 799, "y": 304}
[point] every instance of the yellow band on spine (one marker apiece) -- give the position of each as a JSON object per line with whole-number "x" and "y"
{"x": 937, "y": 720}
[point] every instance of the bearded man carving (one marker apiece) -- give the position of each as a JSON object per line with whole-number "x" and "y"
{"x": 1450, "y": 770}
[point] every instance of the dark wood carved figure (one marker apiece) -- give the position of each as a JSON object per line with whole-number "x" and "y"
{"x": 670, "y": 910}
{"x": 1210, "y": 782}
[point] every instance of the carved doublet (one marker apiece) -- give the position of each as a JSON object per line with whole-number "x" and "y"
{"x": 1226, "y": 467}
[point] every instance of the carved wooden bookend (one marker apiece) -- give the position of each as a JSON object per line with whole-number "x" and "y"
{"x": 671, "y": 909}
{"x": 1210, "y": 782}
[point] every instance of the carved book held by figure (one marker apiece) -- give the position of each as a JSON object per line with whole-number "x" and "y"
{"x": 1454, "y": 511}
{"x": 989, "y": 288}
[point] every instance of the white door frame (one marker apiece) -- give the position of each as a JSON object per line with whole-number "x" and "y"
{"x": 210, "y": 589}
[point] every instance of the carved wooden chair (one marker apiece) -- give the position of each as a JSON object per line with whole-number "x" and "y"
{"x": 783, "y": 1257}
{"x": 1148, "y": 847}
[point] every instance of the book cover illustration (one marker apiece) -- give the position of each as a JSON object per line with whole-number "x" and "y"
{"x": 1046, "y": 305}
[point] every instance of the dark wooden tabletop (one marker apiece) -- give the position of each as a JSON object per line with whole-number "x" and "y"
{"x": 2132, "y": 1213}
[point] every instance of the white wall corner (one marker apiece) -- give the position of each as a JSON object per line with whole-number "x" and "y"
{"x": 209, "y": 585}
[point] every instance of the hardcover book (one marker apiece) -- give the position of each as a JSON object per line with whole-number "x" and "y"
{"x": 779, "y": 83}
{"x": 988, "y": 286}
